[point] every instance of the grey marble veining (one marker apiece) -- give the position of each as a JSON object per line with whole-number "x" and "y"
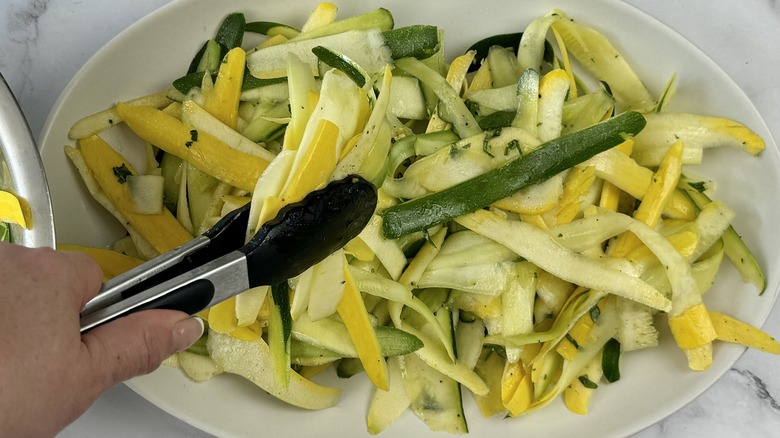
{"x": 45, "y": 42}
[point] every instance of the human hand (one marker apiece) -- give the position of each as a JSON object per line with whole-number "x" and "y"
{"x": 49, "y": 372}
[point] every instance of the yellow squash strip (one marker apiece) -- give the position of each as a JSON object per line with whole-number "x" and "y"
{"x": 553, "y": 89}
{"x": 317, "y": 164}
{"x": 222, "y": 101}
{"x": 566, "y": 64}
{"x": 729, "y": 329}
{"x": 200, "y": 149}
{"x": 482, "y": 79}
{"x": 662, "y": 186}
{"x": 699, "y": 358}
{"x": 251, "y": 332}
{"x": 162, "y": 231}
{"x": 489, "y": 367}
{"x": 516, "y": 388}
{"x": 698, "y": 132}
{"x": 576, "y": 186}
{"x": 111, "y": 262}
{"x": 387, "y": 406}
{"x": 684, "y": 242}
{"x": 359, "y": 250}
{"x": 692, "y": 328}
{"x": 248, "y": 305}
{"x": 578, "y": 333}
{"x": 303, "y": 100}
{"x": 273, "y": 41}
{"x": 222, "y": 317}
{"x": 308, "y": 372}
{"x": 577, "y": 395}
{"x": 353, "y": 313}
{"x": 324, "y": 14}
{"x": 618, "y": 169}
{"x": 11, "y": 209}
{"x": 134, "y": 243}
{"x": 610, "y": 194}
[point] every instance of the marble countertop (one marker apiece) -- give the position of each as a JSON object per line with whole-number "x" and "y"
{"x": 45, "y": 42}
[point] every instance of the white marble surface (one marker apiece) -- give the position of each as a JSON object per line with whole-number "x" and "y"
{"x": 45, "y": 42}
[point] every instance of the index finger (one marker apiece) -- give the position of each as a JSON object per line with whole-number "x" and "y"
{"x": 86, "y": 273}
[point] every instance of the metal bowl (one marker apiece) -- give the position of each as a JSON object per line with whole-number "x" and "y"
{"x": 21, "y": 172}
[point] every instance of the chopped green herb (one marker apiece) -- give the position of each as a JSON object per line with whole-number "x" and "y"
{"x": 456, "y": 150}
{"x": 498, "y": 349}
{"x": 121, "y": 173}
{"x": 486, "y": 148}
{"x": 573, "y": 341}
{"x": 194, "y": 135}
{"x": 699, "y": 186}
{"x": 514, "y": 144}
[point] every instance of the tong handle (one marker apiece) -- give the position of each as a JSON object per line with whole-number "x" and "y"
{"x": 189, "y": 292}
{"x": 225, "y": 236}
{"x": 114, "y": 289}
{"x": 190, "y": 298}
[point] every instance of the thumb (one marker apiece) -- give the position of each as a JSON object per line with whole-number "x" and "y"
{"x": 137, "y": 344}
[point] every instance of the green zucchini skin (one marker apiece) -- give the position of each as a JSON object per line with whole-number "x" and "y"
{"x": 231, "y": 33}
{"x": 611, "y": 360}
{"x": 419, "y": 41}
{"x": 539, "y": 165}
{"x": 263, "y": 27}
{"x": 340, "y": 62}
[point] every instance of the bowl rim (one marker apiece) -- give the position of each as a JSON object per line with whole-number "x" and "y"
{"x": 26, "y": 176}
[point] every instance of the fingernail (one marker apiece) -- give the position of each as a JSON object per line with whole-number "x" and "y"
{"x": 186, "y": 332}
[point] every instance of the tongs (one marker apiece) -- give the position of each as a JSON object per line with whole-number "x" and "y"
{"x": 220, "y": 263}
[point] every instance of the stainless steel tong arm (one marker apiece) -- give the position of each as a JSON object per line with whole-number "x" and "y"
{"x": 191, "y": 291}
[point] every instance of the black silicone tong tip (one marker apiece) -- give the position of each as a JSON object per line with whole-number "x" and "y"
{"x": 304, "y": 233}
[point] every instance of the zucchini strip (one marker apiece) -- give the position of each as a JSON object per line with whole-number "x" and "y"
{"x": 357, "y": 157}
{"x": 530, "y": 53}
{"x": 387, "y": 406}
{"x": 456, "y": 76}
{"x": 100, "y": 121}
{"x": 540, "y": 249}
{"x": 595, "y": 52}
{"x": 697, "y": 132}
{"x": 252, "y": 360}
{"x": 450, "y": 103}
{"x": 540, "y": 164}
{"x": 736, "y": 250}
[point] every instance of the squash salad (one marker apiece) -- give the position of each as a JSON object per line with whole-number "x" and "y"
{"x": 536, "y": 221}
